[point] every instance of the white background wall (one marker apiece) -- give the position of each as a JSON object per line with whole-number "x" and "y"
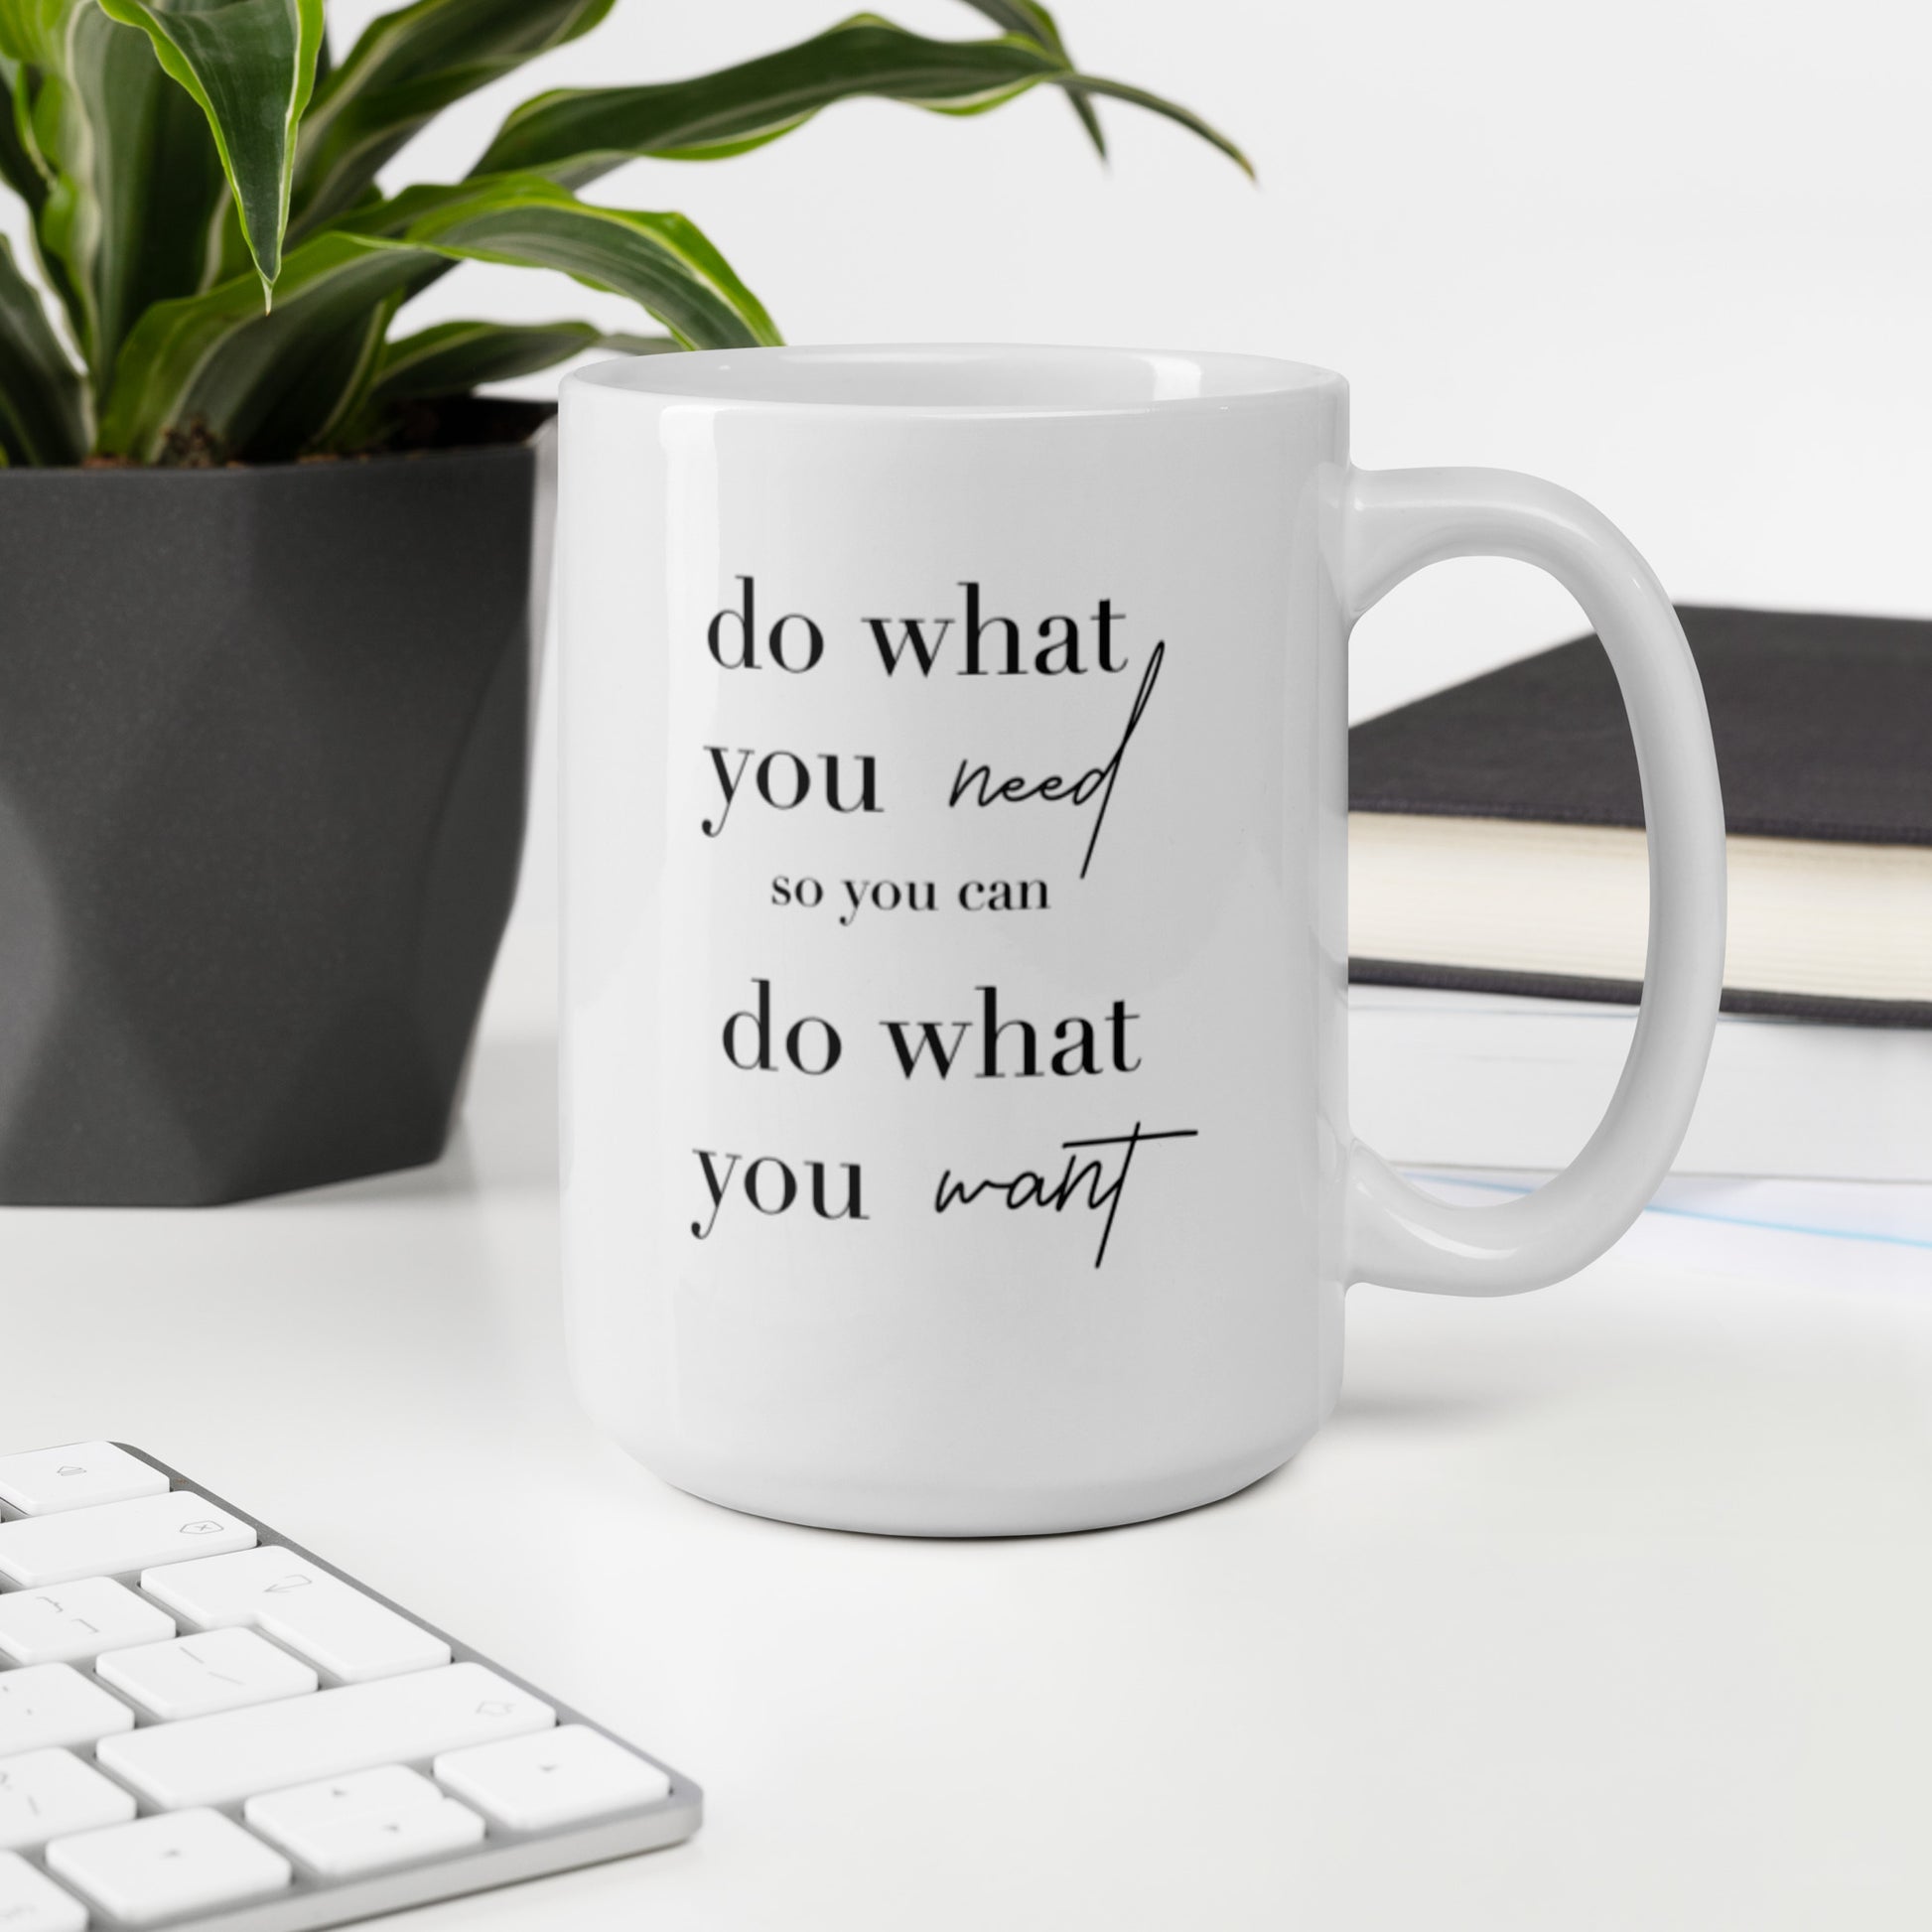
{"x": 1674, "y": 253}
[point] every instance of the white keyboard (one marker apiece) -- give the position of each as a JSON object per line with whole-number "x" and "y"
{"x": 201, "y": 1725}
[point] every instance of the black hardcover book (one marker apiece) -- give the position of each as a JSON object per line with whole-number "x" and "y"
{"x": 1496, "y": 828}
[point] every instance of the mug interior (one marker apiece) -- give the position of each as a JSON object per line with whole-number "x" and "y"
{"x": 966, "y": 379}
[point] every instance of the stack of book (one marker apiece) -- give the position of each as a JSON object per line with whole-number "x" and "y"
{"x": 1499, "y": 915}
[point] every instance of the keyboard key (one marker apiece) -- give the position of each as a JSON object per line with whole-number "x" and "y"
{"x": 72, "y": 1623}
{"x": 30, "y": 1902}
{"x": 51, "y": 1794}
{"x": 389, "y": 1788}
{"x": 117, "y": 1538}
{"x": 378, "y": 1839}
{"x": 217, "y": 1670}
{"x": 79, "y": 1477}
{"x": 352, "y": 1637}
{"x": 557, "y": 1777}
{"x": 219, "y": 1760}
{"x": 51, "y": 1705}
{"x": 161, "y": 1868}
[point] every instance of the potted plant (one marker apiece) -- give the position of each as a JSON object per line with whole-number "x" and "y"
{"x": 267, "y": 564}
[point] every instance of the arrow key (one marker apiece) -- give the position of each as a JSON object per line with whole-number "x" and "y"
{"x": 554, "y": 1777}
{"x": 389, "y": 1788}
{"x": 373, "y": 1841}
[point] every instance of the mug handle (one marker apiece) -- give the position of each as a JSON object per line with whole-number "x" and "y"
{"x": 1394, "y": 522}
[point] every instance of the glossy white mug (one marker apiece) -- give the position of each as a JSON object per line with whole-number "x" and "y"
{"x": 955, "y": 1001}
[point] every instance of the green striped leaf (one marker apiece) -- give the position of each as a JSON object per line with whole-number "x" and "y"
{"x": 455, "y": 357}
{"x": 31, "y": 29}
{"x": 406, "y": 67}
{"x": 20, "y": 164}
{"x": 134, "y": 181}
{"x": 251, "y": 67}
{"x": 30, "y": 174}
{"x": 576, "y": 134}
{"x": 43, "y": 410}
{"x": 213, "y": 371}
{"x": 216, "y": 370}
{"x": 1168, "y": 110}
{"x": 664, "y": 262}
{"x": 1035, "y": 23}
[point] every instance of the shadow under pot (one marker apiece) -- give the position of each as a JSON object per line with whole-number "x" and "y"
{"x": 263, "y": 762}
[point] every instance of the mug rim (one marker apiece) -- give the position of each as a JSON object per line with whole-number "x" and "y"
{"x": 1020, "y": 379}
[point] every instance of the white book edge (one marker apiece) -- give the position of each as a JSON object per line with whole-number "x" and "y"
{"x": 1491, "y": 1080}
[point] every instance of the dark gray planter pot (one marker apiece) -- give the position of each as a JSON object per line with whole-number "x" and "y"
{"x": 263, "y": 747}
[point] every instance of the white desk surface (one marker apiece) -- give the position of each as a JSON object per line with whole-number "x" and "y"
{"x": 1610, "y": 1606}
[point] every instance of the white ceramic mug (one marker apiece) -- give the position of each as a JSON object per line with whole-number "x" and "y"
{"x": 955, "y": 1096}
